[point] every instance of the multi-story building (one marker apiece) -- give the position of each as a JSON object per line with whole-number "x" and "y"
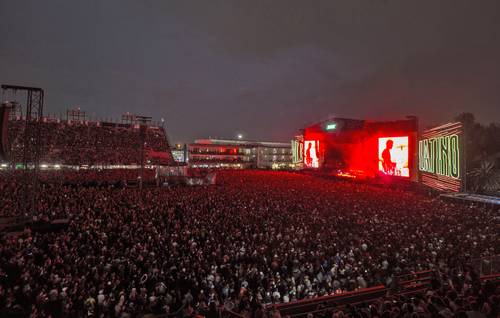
{"x": 239, "y": 154}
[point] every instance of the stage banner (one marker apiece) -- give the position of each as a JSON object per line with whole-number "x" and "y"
{"x": 441, "y": 157}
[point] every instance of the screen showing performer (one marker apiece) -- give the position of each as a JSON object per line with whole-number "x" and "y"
{"x": 393, "y": 156}
{"x": 311, "y": 153}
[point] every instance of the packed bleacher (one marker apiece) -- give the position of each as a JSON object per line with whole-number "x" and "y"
{"x": 92, "y": 143}
{"x": 256, "y": 238}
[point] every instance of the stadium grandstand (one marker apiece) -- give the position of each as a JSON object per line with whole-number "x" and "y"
{"x": 92, "y": 143}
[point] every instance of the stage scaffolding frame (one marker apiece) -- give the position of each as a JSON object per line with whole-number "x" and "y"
{"x": 32, "y": 143}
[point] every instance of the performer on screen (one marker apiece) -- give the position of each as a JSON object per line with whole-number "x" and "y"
{"x": 308, "y": 155}
{"x": 387, "y": 163}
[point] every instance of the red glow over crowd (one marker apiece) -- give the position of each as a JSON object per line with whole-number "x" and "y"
{"x": 255, "y": 238}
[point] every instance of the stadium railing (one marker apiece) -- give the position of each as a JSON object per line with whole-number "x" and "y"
{"x": 488, "y": 265}
{"x": 406, "y": 284}
{"x": 410, "y": 284}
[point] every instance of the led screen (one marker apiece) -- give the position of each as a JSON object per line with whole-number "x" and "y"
{"x": 393, "y": 156}
{"x": 311, "y": 153}
{"x": 297, "y": 151}
{"x": 440, "y": 157}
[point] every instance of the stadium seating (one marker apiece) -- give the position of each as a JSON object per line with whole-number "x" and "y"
{"x": 92, "y": 143}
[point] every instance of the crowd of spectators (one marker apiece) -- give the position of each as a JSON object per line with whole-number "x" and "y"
{"x": 256, "y": 238}
{"x": 92, "y": 143}
{"x": 53, "y": 183}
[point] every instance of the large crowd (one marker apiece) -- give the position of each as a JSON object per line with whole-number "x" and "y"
{"x": 255, "y": 238}
{"x": 54, "y": 184}
{"x": 92, "y": 143}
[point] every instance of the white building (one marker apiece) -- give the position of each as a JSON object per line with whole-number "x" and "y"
{"x": 239, "y": 154}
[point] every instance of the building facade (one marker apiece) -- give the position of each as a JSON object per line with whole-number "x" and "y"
{"x": 239, "y": 154}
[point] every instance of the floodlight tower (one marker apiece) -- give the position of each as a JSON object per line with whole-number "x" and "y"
{"x": 32, "y": 141}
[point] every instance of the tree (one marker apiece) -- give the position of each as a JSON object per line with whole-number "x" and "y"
{"x": 482, "y": 153}
{"x": 485, "y": 178}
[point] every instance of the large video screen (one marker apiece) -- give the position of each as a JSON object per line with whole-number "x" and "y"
{"x": 297, "y": 151}
{"x": 311, "y": 153}
{"x": 393, "y": 153}
{"x": 440, "y": 157}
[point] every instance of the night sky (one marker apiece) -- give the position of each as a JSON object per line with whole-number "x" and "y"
{"x": 261, "y": 68}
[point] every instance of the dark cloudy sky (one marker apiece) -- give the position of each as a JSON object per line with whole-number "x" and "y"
{"x": 262, "y": 68}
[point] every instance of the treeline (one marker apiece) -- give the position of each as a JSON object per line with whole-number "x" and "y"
{"x": 482, "y": 154}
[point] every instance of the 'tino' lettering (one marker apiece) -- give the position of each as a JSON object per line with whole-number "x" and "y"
{"x": 440, "y": 155}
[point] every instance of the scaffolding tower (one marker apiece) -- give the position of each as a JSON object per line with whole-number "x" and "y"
{"x": 32, "y": 143}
